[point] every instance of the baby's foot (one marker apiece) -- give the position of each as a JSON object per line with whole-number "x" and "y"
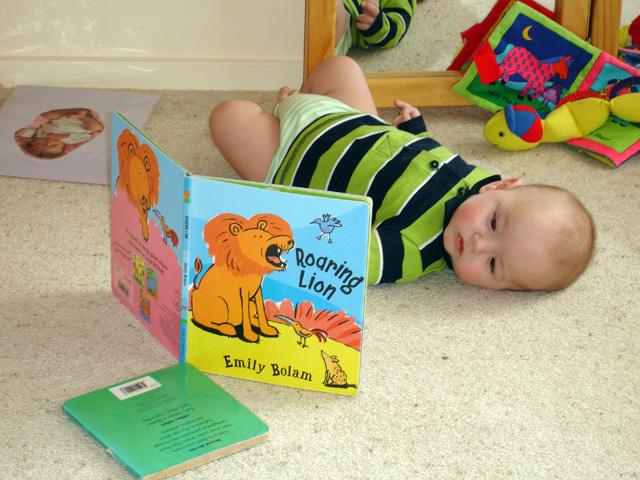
{"x": 285, "y": 92}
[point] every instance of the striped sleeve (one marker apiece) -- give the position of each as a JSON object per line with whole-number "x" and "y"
{"x": 385, "y": 253}
{"x": 415, "y": 125}
{"x": 389, "y": 27}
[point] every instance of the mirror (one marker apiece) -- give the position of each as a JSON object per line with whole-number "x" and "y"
{"x": 433, "y": 37}
{"x": 597, "y": 19}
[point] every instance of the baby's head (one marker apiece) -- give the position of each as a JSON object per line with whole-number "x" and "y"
{"x": 520, "y": 237}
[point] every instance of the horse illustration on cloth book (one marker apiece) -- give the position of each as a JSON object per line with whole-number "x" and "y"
{"x": 520, "y": 61}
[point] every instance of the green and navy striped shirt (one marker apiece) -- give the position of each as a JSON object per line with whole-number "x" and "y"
{"x": 407, "y": 174}
{"x": 389, "y": 27}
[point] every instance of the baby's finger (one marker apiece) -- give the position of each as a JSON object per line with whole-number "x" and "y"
{"x": 406, "y": 107}
{"x": 370, "y": 8}
{"x": 364, "y": 25}
{"x": 363, "y": 22}
{"x": 402, "y": 104}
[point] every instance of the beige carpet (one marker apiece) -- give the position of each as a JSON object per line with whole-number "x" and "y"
{"x": 457, "y": 382}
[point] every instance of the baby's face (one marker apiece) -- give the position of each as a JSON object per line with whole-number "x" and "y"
{"x": 46, "y": 146}
{"x": 500, "y": 239}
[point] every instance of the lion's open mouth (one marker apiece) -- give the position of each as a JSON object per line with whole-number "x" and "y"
{"x": 274, "y": 258}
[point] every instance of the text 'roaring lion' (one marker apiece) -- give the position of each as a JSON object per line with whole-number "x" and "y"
{"x": 340, "y": 271}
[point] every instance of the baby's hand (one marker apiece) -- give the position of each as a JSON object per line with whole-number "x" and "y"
{"x": 368, "y": 12}
{"x": 405, "y": 112}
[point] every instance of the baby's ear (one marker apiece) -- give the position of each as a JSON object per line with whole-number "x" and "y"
{"x": 501, "y": 184}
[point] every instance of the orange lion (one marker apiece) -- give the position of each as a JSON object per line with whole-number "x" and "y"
{"x": 228, "y": 299}
{"x": 139, "y": 176}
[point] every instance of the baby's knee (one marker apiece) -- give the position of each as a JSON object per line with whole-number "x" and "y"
{"x": 331, "y": 74}
{"x": 227, "y": 113}
{"x": 344, "y": 63}
{"x": 224, "y": 110}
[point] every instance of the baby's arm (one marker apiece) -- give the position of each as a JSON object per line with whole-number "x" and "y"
{"x": 409, "y": 119}
{"x": 386, "y": 255}
{"x": 383, "y": 23}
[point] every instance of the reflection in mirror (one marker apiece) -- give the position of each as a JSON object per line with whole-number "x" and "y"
{"x": 433, "y": 37}
{"x": 430, "y": 86}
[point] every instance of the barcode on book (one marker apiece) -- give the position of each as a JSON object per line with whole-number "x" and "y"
{"x": 134, "y": 387}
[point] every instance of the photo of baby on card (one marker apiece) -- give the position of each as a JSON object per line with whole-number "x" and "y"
{"x": 60, "y": 133}
{"x": 56, "y": 133}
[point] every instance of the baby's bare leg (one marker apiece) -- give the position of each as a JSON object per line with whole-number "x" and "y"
{"x": 342, "y": 22}
{"x": 341, "y": 78}
{"x": 246, "y": 135}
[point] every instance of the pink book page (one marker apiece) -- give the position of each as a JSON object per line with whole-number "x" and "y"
{"x": 145, "y": 275}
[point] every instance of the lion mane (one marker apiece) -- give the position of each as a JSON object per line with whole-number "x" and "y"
{"x": 240, "y": 242}
{"x": 139, "y": 175}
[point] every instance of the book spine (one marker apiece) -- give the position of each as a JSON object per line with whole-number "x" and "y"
{"x": 71, "y": 414}
{"x": 103, "y": 443}
{"x": 186, "y": 259}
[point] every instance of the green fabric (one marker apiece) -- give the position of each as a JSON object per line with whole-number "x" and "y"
{"x": 296, "y": 113}
{"x": 392, "y": 165}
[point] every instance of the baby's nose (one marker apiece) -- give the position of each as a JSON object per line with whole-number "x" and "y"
{"x": 480, "y": 244}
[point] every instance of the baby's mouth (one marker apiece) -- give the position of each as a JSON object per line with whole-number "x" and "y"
{"x": 459, "y": 244}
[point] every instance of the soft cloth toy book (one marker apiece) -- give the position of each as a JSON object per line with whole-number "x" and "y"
{"x": 531, "y": 60}
{"x": 478, "y": 32}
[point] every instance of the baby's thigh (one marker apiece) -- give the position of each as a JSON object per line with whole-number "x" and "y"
{"x": 343, "y": 79}
{"x": 246, "y": 135}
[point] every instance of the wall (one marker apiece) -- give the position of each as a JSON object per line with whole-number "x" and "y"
{"x": 195, "y": 44}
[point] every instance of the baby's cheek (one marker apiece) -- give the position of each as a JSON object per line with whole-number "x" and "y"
{"x": 466, "y": 214}
{"x": 469, "y": 272}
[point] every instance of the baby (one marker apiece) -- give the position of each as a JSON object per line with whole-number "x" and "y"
{"x": 371, "y": 23}
{"x": 58, "y": 132}
{"x": 430, "y": 208}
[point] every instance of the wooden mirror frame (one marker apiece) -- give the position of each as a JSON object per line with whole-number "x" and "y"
{"x": 598, "y": 20}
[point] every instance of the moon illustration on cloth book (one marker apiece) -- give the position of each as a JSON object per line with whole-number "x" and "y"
{"x": 228, "y": 299}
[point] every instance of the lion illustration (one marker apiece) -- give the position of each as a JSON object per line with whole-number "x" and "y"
{"x": 228, "y": 299}
{"x": 139, "y": 176}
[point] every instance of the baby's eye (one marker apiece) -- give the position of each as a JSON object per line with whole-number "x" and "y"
{"x": 492, "y": 264}
{"x": 494, "y": 222}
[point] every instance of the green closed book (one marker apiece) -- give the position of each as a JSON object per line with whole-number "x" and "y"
{"x": 167, "y": 421}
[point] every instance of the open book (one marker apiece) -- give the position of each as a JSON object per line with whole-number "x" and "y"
{"x": 256, "y": 281}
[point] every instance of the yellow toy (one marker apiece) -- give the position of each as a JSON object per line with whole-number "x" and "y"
{"x": 519, "y": 127}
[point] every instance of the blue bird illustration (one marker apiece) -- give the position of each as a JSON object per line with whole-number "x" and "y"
{"x": 327, "y": 224}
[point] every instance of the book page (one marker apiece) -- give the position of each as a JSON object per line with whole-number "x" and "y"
{"x": 147, "y": 232}
{"x": 276, "y": 283}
